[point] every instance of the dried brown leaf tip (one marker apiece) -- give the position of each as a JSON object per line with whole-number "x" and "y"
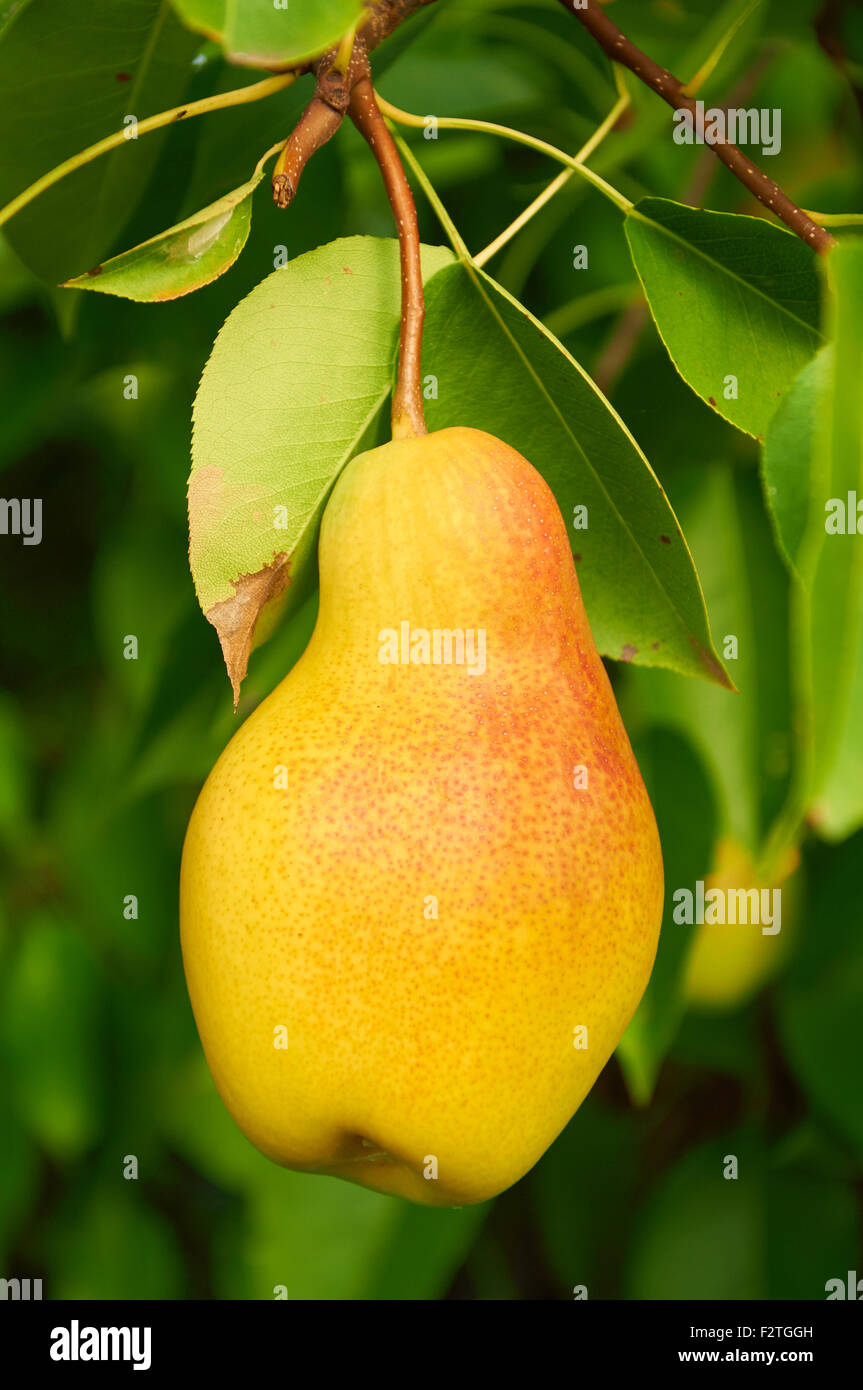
{"x": 235, "y": 618}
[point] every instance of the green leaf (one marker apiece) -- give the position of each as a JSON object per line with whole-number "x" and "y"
{"x": 744, "y": 739}
{"x": 596, "y": 1153}
{"x": 114, "y": 850}
{"x": 185, "y": 257}
{"x": 498, "y": 369}
{"x": 787, "y": 457}
{"x": 686, "y": 814}
{"x": 49, "y": 1037}
{"x": 39, "y": 378}
{"x": 732, "y": 297}
{"x": 104, "y": 1243}
{"x": 296, "y": 379}
{"x": 701, "y": 1234}
{"x": 294, "y": 1224}
{"x": 820, "y": 998}
{"x": 271, "y": 33}
{"x": 444, "y": 1237}
{"x": 838, "y": 809}
{"x": 15, "y": 777}
{"x": 317, "y": 1235}
{"x": 803, "y": 1255}
{"x": 8, "y": 10}
{"x": 137, "y": 587}
{"x": 718, "y": 1042}
{"x": 830, "y": 602}
{"x": 820, "y": 1024}
{"x": 68, "y": 77}
{"x": 19, "y": 1178}
{"x": 296, "y": 1235}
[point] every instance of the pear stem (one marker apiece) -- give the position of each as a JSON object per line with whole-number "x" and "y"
{"x": 408, "y": 417}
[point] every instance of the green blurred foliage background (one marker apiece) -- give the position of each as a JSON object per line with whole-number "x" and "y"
{"x": 101, "y": 758}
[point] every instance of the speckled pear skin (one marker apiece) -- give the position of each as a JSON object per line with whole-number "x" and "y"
{"x": 430, "y": 1056}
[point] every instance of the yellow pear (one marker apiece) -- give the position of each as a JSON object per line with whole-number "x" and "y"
{"x": 730, "y": 961}
{"x": 422, "y": 887}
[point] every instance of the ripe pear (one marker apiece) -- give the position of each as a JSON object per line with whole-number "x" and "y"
{"x": 421, "y": 889}
{"x": 730, "y": 961}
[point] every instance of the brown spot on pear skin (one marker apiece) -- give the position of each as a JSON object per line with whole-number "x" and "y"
{"x": 235, "y": 618}
{"x": 628, "y": 652}
{"x": 711, "y": 400}
{"x": 665, "y": 540}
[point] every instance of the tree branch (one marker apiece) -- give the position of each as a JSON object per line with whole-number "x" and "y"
{"x": 381, "y": 18}
{"x": 665, "y": 84}
{"x": 315, "y": 127}
{"x": 408, "y": 418}
{"x": 624, "y": 339}
{"x": 335, "y": 81}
